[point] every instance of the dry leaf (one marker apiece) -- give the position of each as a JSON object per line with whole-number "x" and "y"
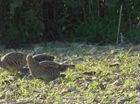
{"x": 102, "y": 86}
{"x": 114, "y": 64}
{"x": 90, "y": 73}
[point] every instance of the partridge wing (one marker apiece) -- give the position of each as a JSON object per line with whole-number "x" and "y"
{"x": 42, "y": 57}
{"x": 49, "y": 64}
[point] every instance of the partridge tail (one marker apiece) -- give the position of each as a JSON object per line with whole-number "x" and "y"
{"x": 63, "y": 68}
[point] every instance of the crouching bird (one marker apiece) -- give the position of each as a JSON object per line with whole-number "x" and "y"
{"x": 13, "y": 60}
{"x": 46, "y": 70}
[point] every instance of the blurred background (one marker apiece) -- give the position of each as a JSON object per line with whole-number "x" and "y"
{"x": 96, "y": 21}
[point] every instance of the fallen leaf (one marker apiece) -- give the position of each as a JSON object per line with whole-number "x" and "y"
{"x": 114, "y": 64}
{"x": 90, "y": 73}
{"x": 101, "y": 86}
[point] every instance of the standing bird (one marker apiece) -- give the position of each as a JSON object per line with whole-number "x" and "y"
{"x": 46, "y": 70}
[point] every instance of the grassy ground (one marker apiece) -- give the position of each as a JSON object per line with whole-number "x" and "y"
{"x": 103, "y": 75}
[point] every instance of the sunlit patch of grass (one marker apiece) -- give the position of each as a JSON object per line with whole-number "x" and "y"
{"x": 93, "y": 80}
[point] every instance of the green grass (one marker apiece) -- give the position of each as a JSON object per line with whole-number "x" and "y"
{"x": 95, "y": 79}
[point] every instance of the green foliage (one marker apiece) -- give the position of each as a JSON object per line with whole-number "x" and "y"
{"x": 92, "y": 27}
{"x": 73, "y": 3}
{"x": 14, "y": 5}
{"x": 75, "y": 20}
{"x": 100, "y": 23}
{"x": 13, "y": 34}
{"x": 112, "y": 3}
{"x": 28, "y": 27}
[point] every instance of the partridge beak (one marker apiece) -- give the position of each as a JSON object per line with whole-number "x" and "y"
{"x": 29, "y": 59}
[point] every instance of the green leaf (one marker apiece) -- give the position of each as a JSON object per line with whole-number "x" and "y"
{"x": 15, "y": 4}
{"x": 57, "y": 97}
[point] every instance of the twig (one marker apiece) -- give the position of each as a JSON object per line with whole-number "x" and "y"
{"x": 117, "y": 41}
{"x": 34, "y": 16}
{"x": 121, "y": 38}
{"x": 138, "y": 25}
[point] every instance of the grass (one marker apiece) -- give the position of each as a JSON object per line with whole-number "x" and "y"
{"x": 103, "y": 75}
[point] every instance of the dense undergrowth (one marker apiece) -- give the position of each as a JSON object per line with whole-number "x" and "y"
{"x": 96, "y": 21}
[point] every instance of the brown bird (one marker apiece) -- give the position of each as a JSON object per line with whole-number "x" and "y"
{"x": 42, "y": 57}
{"x": 17, "y": 60}
{"x": 13, "y": 60}
{"x": 46, "y": 70}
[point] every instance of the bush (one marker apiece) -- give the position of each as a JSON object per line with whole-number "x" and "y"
{"x": 95, "y": 30}
{"x": 24, "y": 21}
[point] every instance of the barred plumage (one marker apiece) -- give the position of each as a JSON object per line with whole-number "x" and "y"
{"x": 13, "y": 60}
{"x": 46, "y": 70}
{"x": 42, "y": 57}
{"x": 17, "y": 60}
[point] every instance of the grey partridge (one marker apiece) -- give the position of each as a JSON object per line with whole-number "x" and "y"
{"x": 46, "y": 70}
{"x": 13, "y": 60}
{"x": 17, "y": 60}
